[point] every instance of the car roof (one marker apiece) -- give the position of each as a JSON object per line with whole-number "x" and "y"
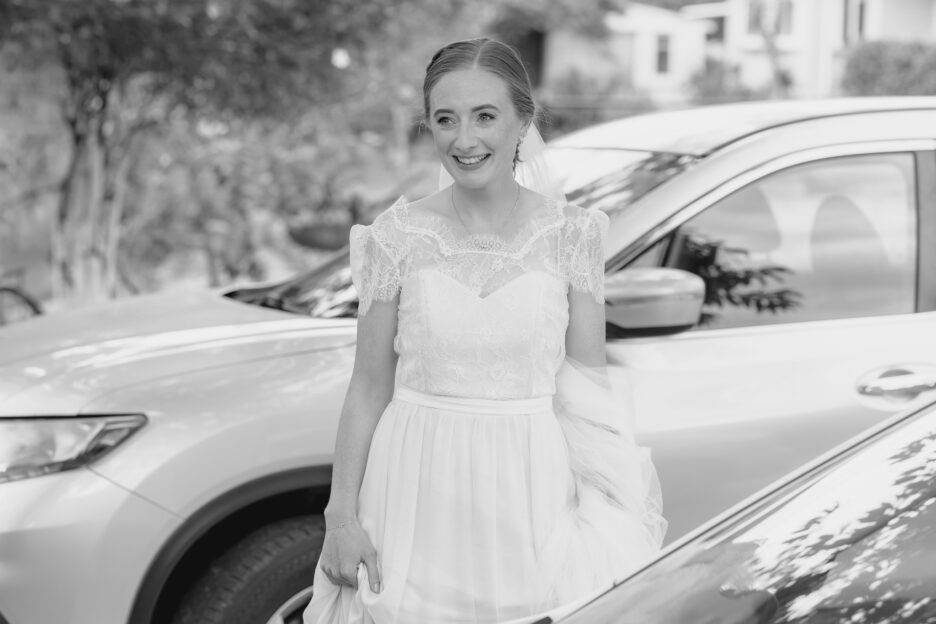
{"x": 701, "y": 131}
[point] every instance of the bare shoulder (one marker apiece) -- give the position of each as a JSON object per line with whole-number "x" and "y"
{"x": 435, "y": 204}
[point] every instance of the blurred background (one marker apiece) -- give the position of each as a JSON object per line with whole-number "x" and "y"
{"x": 151, "y": 145}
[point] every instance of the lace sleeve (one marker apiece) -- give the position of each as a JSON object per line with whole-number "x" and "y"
{"x": 586, "y": 264}
{"x": 376, "y": 255}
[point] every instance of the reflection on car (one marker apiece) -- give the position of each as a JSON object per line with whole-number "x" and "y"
{"x": 850, "y": 539}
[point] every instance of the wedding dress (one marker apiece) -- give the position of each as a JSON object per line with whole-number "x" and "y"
{"x": 503, "y": 480}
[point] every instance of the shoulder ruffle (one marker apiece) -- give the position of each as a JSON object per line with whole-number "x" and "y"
{"x": 377, "y": 252}
{"x": 584, "y": 241}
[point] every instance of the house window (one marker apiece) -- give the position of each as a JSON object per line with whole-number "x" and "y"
{"x": 774, "y": 16}
{"x": 715, "y": 31}
{"x": 663, "y": 54}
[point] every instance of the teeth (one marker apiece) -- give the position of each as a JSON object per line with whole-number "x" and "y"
{"x": 473, "y": 160}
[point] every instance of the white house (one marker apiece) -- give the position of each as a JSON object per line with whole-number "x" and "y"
{"x": 811, "y": 36}
{"x": 649, "y": 50}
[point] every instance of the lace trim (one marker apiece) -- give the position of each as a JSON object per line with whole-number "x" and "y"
{"x": 514, "y": 247}
{"x": 587, "y": 268}
{"x": 381, "y": 253}
{"x": 375, "y": 258}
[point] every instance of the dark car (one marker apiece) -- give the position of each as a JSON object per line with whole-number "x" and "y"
{"x": 850, "y": 539}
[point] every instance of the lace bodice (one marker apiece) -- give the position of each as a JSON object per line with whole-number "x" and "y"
{"x": 479, "y": 316}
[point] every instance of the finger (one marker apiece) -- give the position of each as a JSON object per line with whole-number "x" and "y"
{"x": 349, "y": 577}
{"x": 331, "y": 577}
{"x": 336, "y": 577}
{"x": 373, "y": 570}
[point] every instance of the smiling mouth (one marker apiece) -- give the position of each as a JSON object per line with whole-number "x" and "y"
{"x": 470, "y": 160}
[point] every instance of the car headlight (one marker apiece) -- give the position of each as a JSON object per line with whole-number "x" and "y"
{"x": 31, "y": 447}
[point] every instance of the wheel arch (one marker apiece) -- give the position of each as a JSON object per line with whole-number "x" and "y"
{"x": 216, "y": 526}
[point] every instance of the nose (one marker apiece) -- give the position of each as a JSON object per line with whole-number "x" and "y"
{"x": 465, "y": 139}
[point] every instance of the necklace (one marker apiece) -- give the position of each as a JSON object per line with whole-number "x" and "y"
{"x": 485, "y": 240}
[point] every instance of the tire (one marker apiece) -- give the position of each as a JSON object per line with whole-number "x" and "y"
{"x": 264, "y": 578}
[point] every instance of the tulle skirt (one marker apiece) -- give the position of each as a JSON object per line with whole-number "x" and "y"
{"x": 478, "y": 515}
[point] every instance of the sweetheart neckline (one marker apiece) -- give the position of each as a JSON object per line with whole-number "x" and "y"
{"x": 515, "y": 246}
{"x": 552, "y": 278}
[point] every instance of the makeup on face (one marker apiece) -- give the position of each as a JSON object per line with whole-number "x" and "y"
{"x": 475, "y": 126}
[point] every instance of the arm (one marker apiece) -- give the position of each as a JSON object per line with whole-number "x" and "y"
{"x": 375, "y": 271}
{"x": 585, "y": 335}
{"x": 369, "y": 392}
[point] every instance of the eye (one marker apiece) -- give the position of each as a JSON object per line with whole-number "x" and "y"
{"x": 445, "y": 120}
{"x": 486, "y": 117}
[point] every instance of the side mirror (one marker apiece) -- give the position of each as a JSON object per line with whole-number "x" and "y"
{"x": 653, "y": 300}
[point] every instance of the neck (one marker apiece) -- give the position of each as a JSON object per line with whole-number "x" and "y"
{"x": 486, "y": 204}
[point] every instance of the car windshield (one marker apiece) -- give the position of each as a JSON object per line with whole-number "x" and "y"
{"x": 853, "y": 540}
{"x": 324, "y": 292}
{"x": 612, "y": 179}
{"x": 602, "y": 178}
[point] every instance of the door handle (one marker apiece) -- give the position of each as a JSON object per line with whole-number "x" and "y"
{"x": 898, "y": 383}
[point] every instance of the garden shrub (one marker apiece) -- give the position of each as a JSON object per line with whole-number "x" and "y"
{"x": 890, "y": 68}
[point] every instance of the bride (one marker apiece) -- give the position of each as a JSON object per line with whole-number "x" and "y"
{"x": 484, "y": 470}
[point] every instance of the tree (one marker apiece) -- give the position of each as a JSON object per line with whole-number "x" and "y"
{"x": 132, "y": 68}
{"x": 394, "y": 80}
{"x": 129, "y": 64}
{"x": 767, "y": 16}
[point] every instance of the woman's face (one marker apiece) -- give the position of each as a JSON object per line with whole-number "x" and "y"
{"x": 475, "y": 126}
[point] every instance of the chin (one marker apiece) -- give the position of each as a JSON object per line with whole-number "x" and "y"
{"x": 474, "y": 179}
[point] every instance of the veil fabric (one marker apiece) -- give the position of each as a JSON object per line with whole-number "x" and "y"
{"x": 532, "y": 171}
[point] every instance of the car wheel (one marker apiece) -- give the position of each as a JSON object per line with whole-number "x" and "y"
{"x": 266, "y": 577}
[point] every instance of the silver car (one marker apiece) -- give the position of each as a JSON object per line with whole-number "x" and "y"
{"x": 771, "y": 291}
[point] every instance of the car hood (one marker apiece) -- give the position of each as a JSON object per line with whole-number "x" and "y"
{"x": 54, "y": 365}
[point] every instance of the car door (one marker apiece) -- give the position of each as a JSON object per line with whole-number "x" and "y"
{"x": 818, "y": 321}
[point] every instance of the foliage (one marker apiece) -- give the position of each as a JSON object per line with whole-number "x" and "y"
{"x": 890, "y": 68}
{"x": 129, "y": 65}
{"x": 718, "y": 82}
{"x": 580, "y": 101}
{"x": 740, "y": 287}
{"x": 244, "y": 56}
{"x": 206, "y": 133}
{"x": 517, "y": 17}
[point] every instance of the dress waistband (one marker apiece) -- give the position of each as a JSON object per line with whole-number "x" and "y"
{"x": 474, "y": 405}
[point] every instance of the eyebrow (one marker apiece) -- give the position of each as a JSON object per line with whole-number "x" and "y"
{"x": 473, "y": 110}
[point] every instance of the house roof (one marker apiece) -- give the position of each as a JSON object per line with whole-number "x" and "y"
{"x": 700, "y": 131}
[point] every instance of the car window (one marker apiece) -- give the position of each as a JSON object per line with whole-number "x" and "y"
{"x": 853, "y": 541}
{"x": 829, "y": 239}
